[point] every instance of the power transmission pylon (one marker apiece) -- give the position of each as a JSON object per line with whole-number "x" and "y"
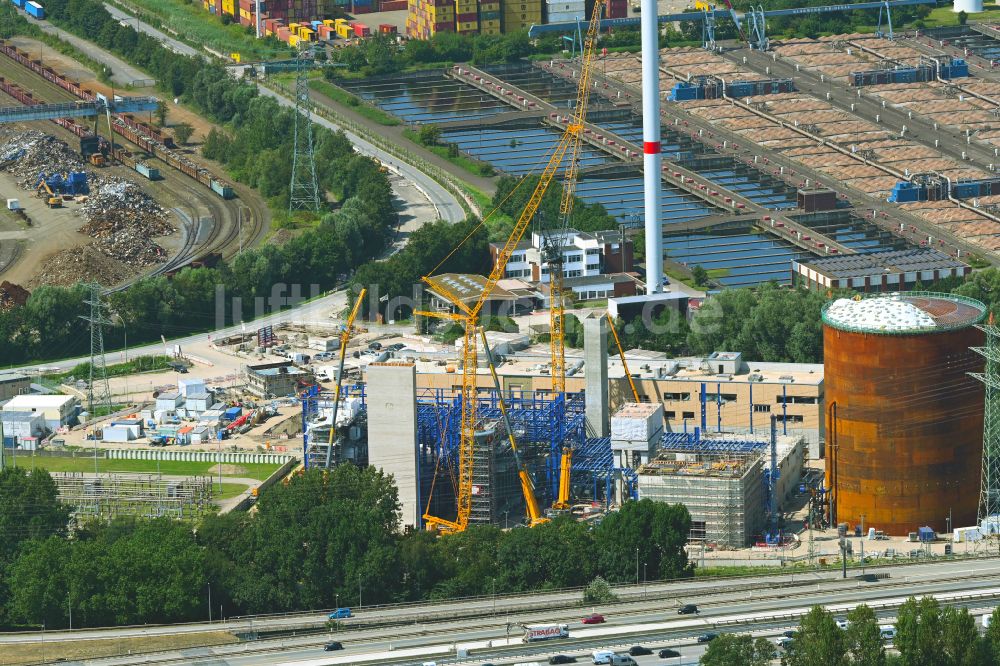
{"x": 989, "y": 498}
{"x": 98, "y": 391}
{"x": 303, "y": 193}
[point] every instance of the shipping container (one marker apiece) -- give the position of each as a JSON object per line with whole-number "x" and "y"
{"x": 222, "y": 189}
{"x": 149, "y": 172}
{"x": 344, "y": 31}
{"x": 34, "y": 9}
{"x": 906, "y": 192}
{"x": 361, "y": 30}
{"x": 386, "y": 29}
{"x": 19, "y": 3}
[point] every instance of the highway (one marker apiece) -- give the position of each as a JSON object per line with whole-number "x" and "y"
{"x": 767, "y": 605}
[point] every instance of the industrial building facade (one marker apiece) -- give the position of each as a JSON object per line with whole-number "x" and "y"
{"x": 894, "y": 270}
{"x": 13, "y": 384}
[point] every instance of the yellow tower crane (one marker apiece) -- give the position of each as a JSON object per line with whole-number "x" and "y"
{"x": 557, "y": 307}
{"x": 621, "y": 354}
{"x": 468, "y": 314}
{"x": 345, "y": 337}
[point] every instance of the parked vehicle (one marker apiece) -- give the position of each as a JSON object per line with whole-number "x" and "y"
{"x": 887, "y": 632}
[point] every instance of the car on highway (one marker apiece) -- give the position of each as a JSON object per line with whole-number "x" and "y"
{"x": 707, "y": 637}
{"x": 340, "y": 614}
{"x": 688, "y": 609}
{"x": 667, "y": 653}
{"x": 562, "y": 659}
{"x": 333, "y": 646}
{"x": 639, "y": 651}
{"x": 593, "y": 618}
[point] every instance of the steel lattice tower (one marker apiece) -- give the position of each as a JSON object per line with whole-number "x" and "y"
{"x": 989, "y": 498}
{"x": 303, "y": 193}
{"x": 98, "y": 391}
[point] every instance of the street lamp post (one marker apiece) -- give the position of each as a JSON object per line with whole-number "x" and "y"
{"x": 644, "y": 580}
{"x": 636, "y": 565}
{"x": 210, "y": 602}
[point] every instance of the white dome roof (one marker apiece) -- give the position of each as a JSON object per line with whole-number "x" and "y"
{"x": 885, "y": 313}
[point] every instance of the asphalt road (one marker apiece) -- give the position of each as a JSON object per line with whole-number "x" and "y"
{"x": 121, "y": 72}
{"x": 742, "y": 605}
{"x": 173, "y": 44}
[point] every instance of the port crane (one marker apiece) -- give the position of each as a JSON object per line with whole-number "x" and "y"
{"x": 467, "y": 314}
{"x": 345, "y": 337}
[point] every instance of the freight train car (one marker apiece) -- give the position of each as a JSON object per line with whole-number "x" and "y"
{"x": 148, "y": 138}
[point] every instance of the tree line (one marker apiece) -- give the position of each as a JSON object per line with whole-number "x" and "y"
{"x": 927, "y": 634}
{"x": 319, "y": 541}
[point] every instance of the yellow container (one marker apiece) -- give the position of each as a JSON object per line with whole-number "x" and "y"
{"x": 306, "y": 34}
{"x": 340, "y": 21}
{"x": 329, "y": 22}
{"x": 343, "y": 31}
{"x": 293, "y": 40}
{"x": 294, "y": 27}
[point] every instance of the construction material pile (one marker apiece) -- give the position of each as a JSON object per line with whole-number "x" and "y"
{"x": 124, "y": 219}
{"x": 26, "y": 154}
{"x": 81, "y": 264}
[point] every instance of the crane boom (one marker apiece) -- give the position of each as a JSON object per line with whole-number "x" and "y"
{"x": 621, "y": 354}
{"x": 345, "y": 337}
{"x": 469, "y": 315}
{"x": 557, "y": 311}
{"x": 535, "y": 516}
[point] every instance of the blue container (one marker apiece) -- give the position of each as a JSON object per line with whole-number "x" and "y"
{"x": 34, "y": 9}
{"x": 223, "y": 190}
{"x": 907, "y": 192}
{"x": 685, "y": 91}
{"x": 316, "y": 24}
{"x": 966, "y": 190}
{"x": 18, "y": 3}
{"x": 926, "y": 534}
{"x": 233, "y": 413}
{"x": 149, "y": 172}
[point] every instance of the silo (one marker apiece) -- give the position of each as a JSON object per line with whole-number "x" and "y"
{"x": 904, "y": 436}
{"x": 968, "y": 6}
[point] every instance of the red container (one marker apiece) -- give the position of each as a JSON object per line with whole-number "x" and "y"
{"x": 468, "y": 17}
{"x": 361, "y": 30}
{"x": 393, "y": 5}
{"x": 386, "y": 29}
{"x": 362, "y": 9}
{"x": 326, "y": 32}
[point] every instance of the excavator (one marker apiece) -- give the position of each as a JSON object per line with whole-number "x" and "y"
{"x": 52, "y": 200}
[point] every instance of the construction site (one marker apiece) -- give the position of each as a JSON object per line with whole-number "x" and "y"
{"x": 866, "y": 159}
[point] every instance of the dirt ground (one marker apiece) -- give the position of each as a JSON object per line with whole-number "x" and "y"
{"x": 13, "y": 654}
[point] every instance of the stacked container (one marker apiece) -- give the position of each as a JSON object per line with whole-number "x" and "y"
{"x": 521, "y": 14}
{"x": 565, "y": 11}
{"x": 426, "y": 18}
{"x": 362, "y": 7}
{"x": 392, "y": 5}
{"x": 466, "y": 17}
{"x": 489, "y": 17}
{"x": 617, "y": 9}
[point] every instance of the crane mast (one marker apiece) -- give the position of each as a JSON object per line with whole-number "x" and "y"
{"x": 468, "y": 315}
{"x": 345, "y": 337}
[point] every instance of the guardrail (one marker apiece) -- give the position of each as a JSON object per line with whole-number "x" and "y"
{"x": 238, "y": 458}
{"x": 443, "y": 178}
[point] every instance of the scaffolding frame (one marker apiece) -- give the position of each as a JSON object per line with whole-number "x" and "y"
{"x": 146, "y": 495}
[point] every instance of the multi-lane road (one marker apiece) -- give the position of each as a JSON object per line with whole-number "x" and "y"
{"x": 436, "y": 632}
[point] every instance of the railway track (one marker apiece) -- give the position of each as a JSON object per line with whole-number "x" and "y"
{"x": 224, "y": 237}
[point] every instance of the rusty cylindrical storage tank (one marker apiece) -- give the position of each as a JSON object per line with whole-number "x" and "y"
{"x": 904, "y": 428}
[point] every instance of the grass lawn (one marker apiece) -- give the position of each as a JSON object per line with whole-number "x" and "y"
{"x": 36, "y": 653}
{"x": 353, "y": 102}
{"x": 193, "y": 24}
{"x": 715, "y": 273}
{"x": 229, "y": 490}
{"x": 943, "y": 16}
{"x": 259, "y": 471}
